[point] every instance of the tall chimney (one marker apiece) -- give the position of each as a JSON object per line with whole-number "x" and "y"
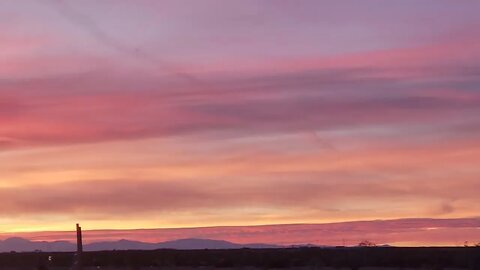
{"x": 79, "y": 239}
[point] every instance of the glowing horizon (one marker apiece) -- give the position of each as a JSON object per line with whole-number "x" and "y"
{"x": 399, "y": 232}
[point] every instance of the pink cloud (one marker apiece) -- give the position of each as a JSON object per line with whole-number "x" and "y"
{"x": 42, "y": 112}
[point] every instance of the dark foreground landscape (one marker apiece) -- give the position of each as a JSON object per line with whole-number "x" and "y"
{"x": 298, "y": 258}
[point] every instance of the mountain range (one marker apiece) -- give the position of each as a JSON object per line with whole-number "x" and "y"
{"x": 24, "y": 245}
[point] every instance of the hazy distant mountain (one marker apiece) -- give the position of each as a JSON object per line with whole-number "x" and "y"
{"x": 193, "y": 243}
{"x": 21, "y": 244}
{"x": 120, "y": 245}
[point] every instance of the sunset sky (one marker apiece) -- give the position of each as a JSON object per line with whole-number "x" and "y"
{"x": 186, "y": 113}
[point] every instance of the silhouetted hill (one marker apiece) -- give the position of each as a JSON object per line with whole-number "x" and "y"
{"x": 23, "y": 245}
{"x": 193, "y": 243}
{"x": 120, "y": 245}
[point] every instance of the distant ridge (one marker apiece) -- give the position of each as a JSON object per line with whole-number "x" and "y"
{"x": 18, "y": 244}
{"x": 396, "y": 232}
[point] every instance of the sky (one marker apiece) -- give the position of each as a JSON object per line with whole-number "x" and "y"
{"x": 184, "y": 113}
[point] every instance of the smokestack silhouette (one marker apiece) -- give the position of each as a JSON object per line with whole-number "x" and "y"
{"x": 79, "y": 239}
{"x": 77, "y": 259}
